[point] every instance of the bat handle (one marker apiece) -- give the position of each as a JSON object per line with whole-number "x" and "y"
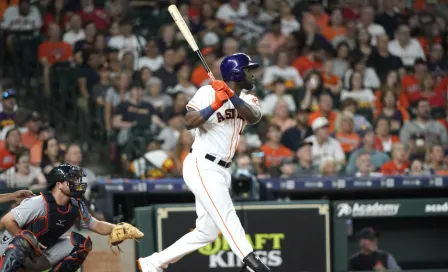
{"x": 210, "y": 75}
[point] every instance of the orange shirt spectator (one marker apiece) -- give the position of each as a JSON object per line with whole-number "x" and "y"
{"x": 409, "y": 84}
{"x": 273, "y": 155}
{"x": 55, "y": 51}
{"x": 348, "y": 141}
{"x": 29, "y": 139}
{"x": 330, "y": 117}
{"x": 330, "y": 32}
{"x": 7, "y": 159}
{"x": 403, "y": 100}
{"x": 36, "y": 153}
{"x": 304, "y": 63}
{"x": 391, "y": 168}
{"x": 425, "y": 44}
{"x": 199, "y": 75}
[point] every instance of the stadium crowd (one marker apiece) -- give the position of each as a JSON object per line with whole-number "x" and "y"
{"x": 348, "y": 87}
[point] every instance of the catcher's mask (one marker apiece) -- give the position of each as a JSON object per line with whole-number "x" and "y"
{"x": 72, "y": 174}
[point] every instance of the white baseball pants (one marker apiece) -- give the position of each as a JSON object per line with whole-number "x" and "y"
{"x": 210, "y": 183}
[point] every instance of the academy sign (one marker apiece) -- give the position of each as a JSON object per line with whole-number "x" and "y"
{"x": 367, "y": 210}
{"x": 436, "y": 208}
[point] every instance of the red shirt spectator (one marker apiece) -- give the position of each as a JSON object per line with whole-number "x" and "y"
{"x": 410, "y": 83}
{"x": 383, "y": 139}
{"x": 272, "y": 149}
{"x": 7, "y": 153}
{"x": 399, "y": 162}
{"x": 54, "y": 50}
{"x": 310, "y": 61}
{"x": 56, "y": 14}
{"x": 97, "y": 15}
{"x": 426, "y": 90}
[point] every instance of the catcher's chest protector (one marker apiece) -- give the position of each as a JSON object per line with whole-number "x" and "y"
{"x": 49, "y": 228}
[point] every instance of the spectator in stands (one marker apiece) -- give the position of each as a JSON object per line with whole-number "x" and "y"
{"x": 349, "y": 38}
{"x": 388, "y": 18}
{"x": 273, "y": 150}
{"x": 23, "y": 18}
{"x": 437, "y": 62}
{"x": 23, "y": 174}
{"x": 73, "y": 155}
{"x": 392, "y": 110}
{"x": 116, "y": 8}
{"x": 45, "y": 132}
{"x": 228, "y": 13}
{"x": 287, "y": 168}
{"x": 368, "y": 75}
{"x": 128, "y": 62}
{"x": 399, "y": 162}
{"x": 133, "y": 112}
{"x": 405, "y": 47}
{"x": 57, "y": 13}
{"x": 427, "y": 91}
{"x": 258, "y": 162}
{"x": 114, "y": 95}
{"x": 184, "y": 84}
{"x": 100, "y": 90}
{"x": 184, "y": 145}
{"x": 250, "y": 28}
{"x": 432, "y": 131}
{"x": 382, "y": 61}
{"x": 417, "y": 168}
{"x": 284, "y": 70}
{"x": 324, "y": 146}
{"x": 341, "y": 61}
{"x": 328, "y": 168}
{"x": 366, "y": 21}
{"x": 199, "y": 76}
{"x": 270, "y": 101}
{"x": 8, "y": 108}
{"x": 11, "y": 147}
{"x": 51, "y": 155}
{"x": 53, "y": 51}
{"x": 127, "y": 41}
{"x": 305, "y": 166}
{"x": 350, "y": 106}
{"x": 316, "y": 10}
{"x": 335, "y": 26}
{"x": 152, "y": 59}
{"x": 312, "y": 60}
{"x": 293, "y": 136}
{"x": 100, "y": 47}
{"x": 166, "y": 72}
{"x": 345, "y": 133}
{"x": 391, "y": 84}
{"x": 370, "y": 257}
{"x": 274, "y": 37}
{"x": 436, "y": 160}
{"x": 88, "y": 77}
{"x": 263, "y": 56}
{"x": 309, "y": 34}
{"x": 363, "y": 47}
{"x": 83, "y": 47}
{"x": 325, "y": 109}
{"x": 31, "y": 136}
{"x": 378, "y": 158}
{"x": 281, "y": 116}
{"x": 158, "y": 100}
{"x": 75, "y": 32}
{"x": 171, "y": 134}
{"x": 331, "y": 81}
{"x": 95, "y": 14}
{"x": 384, "y": 140}
{"x": 357, "y": 91}
{"x": 365, "y": 167}
{"x": 289, "y": 22}
{"x": 180, "y": 100}
{"x": 308, "y": 95}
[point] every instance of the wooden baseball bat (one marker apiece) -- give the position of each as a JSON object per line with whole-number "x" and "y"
{"x": 177, "y": 17}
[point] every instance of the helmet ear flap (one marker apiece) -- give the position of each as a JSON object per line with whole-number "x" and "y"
{"x": 237, "y": 74}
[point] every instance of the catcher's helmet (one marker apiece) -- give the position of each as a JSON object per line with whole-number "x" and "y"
{"x": 232, "y": 67}
{"x": 72, "y": 174}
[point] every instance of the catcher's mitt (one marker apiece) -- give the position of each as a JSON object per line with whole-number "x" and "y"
{"x": 124, "y": 231}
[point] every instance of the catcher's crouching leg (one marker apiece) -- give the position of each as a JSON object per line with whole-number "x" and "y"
{"x": 82, "y": 247}
{"x": 253, "y": 262}
{"x": 22, "y": 246}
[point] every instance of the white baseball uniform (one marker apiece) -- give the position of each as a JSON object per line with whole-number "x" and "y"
{"x": 210, "y": 182}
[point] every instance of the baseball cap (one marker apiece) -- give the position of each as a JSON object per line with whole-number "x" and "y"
{"x": 305, "y": 143}
{"x": 210, "y": 39}
{"x": 420, "y": 61}
{"x": 33, "y": 116}
{"x": 9, "y": 94}
{"x": 319, "y": 122}
{"x": 368, "y": 233}
{"x": 365, "y": 130}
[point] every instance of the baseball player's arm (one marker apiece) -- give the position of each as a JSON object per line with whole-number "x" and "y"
{"x": 101, "y": 227}
{"x": 196, "y": 117}
{"x": 26, "y": 212}
{"x": 16, "y": 196}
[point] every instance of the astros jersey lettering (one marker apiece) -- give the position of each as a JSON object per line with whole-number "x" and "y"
{"x": 223, "y": 129}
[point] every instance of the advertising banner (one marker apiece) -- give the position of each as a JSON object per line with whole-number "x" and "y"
{"x": 287, "y": 237}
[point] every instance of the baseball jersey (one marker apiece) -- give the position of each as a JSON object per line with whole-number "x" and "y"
{"x": 30, "y": 209}
{"x": 223, "y": 129}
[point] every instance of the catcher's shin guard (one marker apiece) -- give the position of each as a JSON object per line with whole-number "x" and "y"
{"x": 254, "y": 262}
{"x": 22, "y": 246}
{"x": 71, "y": 263}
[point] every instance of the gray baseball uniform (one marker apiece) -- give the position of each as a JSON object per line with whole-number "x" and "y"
{"x": 26, "y": 212}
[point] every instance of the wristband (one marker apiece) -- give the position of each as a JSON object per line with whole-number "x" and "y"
{"x": 206, "y": 112}
{"x": 236, "y": 101}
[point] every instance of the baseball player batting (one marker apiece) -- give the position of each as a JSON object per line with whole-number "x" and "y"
{"x": 219, "y": 114}
{"x": 38, "y": 236}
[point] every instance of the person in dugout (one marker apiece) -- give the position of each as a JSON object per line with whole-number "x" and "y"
{"x": 36, "y": 236}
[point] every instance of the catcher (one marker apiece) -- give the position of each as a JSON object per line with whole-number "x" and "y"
{"x": 37, "y": 233}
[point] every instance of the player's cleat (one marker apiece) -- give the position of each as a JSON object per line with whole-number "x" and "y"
{"x": 253, "y": 263}
{"x": 148, "y": 265}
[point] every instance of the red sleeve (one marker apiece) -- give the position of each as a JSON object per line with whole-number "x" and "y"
{"x": 42, "y": 50}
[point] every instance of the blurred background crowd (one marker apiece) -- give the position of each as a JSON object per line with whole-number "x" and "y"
{"x": 346, "y": 87}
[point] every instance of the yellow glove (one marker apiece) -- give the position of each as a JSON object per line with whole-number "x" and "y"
{"x": 124, "y": 231}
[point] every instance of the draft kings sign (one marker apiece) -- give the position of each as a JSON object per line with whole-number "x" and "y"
{"x": 290, "y": 239}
